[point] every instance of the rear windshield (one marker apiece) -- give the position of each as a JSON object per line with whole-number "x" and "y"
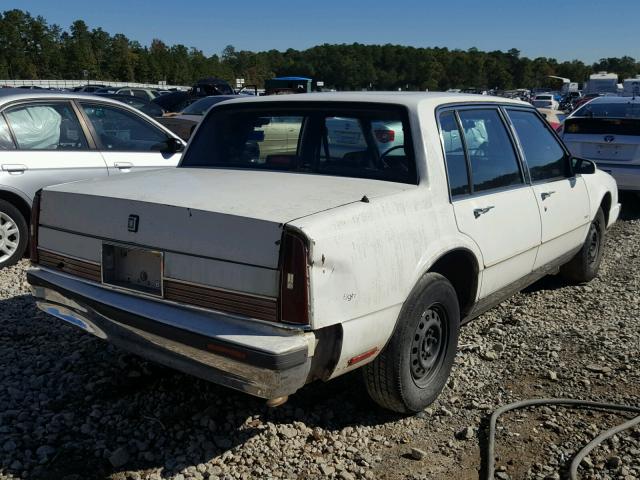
{"x": 201, "y": 106}
{"x": 628, "y": 109}
{"x": 357, "y": 140}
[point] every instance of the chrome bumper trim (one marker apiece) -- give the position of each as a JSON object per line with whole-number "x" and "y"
{"x": 252, "y": 357}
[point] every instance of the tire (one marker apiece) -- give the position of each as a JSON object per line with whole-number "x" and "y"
{"x": 414, "y": 366}
{"x": 584, "y": 266}
{"x": 13, "y": 234}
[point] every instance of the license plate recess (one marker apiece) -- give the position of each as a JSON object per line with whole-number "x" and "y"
{"x": 132, "y": 268}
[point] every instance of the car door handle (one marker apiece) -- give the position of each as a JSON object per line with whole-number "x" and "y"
{"x": 14, "y": 168}
{"x": 481, "y": 211}
{"x": 123, "y": 165}
{"x": 545, "y": 195}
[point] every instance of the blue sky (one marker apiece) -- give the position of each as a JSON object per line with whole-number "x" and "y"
{"x": 565, "y": 29}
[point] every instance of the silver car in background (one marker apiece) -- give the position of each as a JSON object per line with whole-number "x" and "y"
{"x": 607, "y": 131}
{"x": 49, "y": 138}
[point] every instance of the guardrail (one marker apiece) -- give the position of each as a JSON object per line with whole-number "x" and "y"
{"x": 78, "y": 83}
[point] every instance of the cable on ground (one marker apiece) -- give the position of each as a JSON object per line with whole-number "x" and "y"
{"x": 571, "y": 403}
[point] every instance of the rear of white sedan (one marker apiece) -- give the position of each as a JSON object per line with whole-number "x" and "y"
{"x": 607, "y": 131}
{"x": 206, "y": 267}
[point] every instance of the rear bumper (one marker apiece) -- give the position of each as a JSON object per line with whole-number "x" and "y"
{"x": 627, "y": 176}
{"x": 259, "y": 359}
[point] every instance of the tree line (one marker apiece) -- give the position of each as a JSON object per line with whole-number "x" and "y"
{"x": 31, "y": 48}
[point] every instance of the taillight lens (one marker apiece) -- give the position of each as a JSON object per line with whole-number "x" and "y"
{"x": 294, "y": 279}
{"x": 385, "y": 136}
{"x": 33, "y": 229}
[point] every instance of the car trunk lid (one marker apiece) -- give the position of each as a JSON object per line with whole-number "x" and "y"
{"x": 609, "y": 140}
{"x": 229, "y": 215}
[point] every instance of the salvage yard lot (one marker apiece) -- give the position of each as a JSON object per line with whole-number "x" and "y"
{"x": 74, "y": 407}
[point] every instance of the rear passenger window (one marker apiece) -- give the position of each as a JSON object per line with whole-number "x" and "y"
{"x": 46, "y": 126}
{"x": 545, "y": 157}
{"x": 454, "y": 155}
{"x": 491, "y": 154}
{"x": 6, "y": 142}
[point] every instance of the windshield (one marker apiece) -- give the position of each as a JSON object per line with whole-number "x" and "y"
{"x": 362, "y": 141}
{"x": 628, "y": 109}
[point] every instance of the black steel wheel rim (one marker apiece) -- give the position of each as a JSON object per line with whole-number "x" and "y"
{"x": 593, "y": 244}
{"x": 428, "y": 345}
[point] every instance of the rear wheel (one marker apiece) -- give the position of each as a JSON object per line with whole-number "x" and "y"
{"x": 584, "y": 266}
{"x": 414, "y": 366}
{"x": 13, "y": 234}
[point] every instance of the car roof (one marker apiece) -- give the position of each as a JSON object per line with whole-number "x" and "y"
{"x": 408, "y": 99}
{"x": 11, "y": 94}
{"x": 612, "y": 99}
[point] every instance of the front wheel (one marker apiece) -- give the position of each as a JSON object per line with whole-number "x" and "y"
{"x": 13, "y": 234}
{"x": 414, "y": 366}
{"x": 586, "y": 263}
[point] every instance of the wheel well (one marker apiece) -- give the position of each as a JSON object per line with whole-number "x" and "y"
{"x": 17, "y": 202}
{"x": 606, "y": 207}
{"x": 461, "y": 269}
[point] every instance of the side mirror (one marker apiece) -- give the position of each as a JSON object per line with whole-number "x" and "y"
{"x": 583, "y": 166}
{"x": 173, "y": 145}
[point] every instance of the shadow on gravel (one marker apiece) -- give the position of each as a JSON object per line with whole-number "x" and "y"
{"x": 74, "y": 407}
{"x": 630, "y": 206}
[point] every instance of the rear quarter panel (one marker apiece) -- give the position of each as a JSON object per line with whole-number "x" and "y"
{"x": 367, "y": 257}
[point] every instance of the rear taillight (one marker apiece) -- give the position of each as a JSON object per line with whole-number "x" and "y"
{"x": 385, "y": 136}
{"x": 294, "y": 279}
{"x": 33, "y": 229}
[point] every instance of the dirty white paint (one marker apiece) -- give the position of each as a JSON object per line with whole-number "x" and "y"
{"x": 365, "y": 257}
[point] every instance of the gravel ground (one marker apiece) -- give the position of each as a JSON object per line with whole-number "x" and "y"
{"x": 73, "y": 407}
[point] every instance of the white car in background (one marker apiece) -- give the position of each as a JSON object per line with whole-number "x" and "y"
{"x": 264, "y": 274}
{"x": 48, "y": 138}
{"x": 607, "y": 131}
{"x": 545, "y": 100}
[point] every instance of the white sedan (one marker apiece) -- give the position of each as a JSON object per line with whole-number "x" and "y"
{"x": 264, "y": 273}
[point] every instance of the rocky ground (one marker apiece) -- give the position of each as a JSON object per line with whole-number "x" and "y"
{"x": 73, "y": 407}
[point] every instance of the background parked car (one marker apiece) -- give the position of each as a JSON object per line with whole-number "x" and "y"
{"x": 545, "y": 100}
{"x": 175, "y": 101}
{"x": 87, "y": 88}
{"x": 554, "y": 117}
{"x": 184, "y": 123}
{"x": 49, "y": 138}
{"x": 179, "y": 100}
{"x": 607, "y": 131}
{"x": 145, "y": 106}
{"x": 144, "y": 93}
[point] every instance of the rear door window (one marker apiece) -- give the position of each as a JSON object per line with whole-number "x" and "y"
{"x": 545, "y": 157}
{"x": 46, "y": 126}
{"x": 491, "y": 154}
